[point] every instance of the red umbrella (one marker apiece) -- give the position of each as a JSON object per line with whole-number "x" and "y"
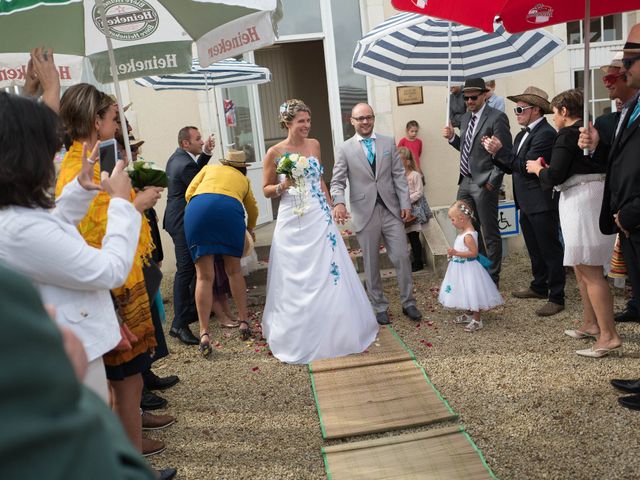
{"x": 521, "y": 15}
{"x": 516, "y": 15}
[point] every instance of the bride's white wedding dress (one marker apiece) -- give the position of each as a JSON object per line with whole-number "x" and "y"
{"x": 316, "y": 306}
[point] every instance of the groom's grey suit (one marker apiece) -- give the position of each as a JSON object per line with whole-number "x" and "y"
{"x": 378, "y": 193}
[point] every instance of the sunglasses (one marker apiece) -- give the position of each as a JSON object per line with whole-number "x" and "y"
{"x": 368, "y": 118}
{"x": 471, "y": 97}
{"x": 520, "y": 110}
{"x": 627, "y": 63}
{"x": 612, "y": 78}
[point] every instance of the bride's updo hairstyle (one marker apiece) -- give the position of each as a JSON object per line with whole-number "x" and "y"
{"x": 289, "y": 109}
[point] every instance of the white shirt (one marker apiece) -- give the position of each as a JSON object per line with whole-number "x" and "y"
{"x": 363, "y": 146}
{"x": 47, "y": 247}
{"x": 478, "y": 114}
{"x": 531, "y": 126}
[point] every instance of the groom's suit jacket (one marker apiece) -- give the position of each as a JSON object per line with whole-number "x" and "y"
{"x": 387, "y": 180}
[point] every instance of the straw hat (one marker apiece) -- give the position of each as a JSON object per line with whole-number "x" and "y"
{"x": 633, "y": 41}
{"x": 135, "y": 143}
{"x": 534, "y": 96}
{"x": 616, "y": 62}
{"x": 235, "y": 158}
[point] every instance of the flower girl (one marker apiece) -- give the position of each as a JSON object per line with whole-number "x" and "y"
{"x": 467, "y": 285}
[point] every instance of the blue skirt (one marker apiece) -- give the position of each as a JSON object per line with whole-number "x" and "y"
{"x": 214, "y": 224}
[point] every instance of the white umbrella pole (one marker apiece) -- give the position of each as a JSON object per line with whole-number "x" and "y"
{"x": 209, "y": 104}
{"x": 448, "y": 81}
{"x": 587, "y": 70}
{"x": 116, "y": 81}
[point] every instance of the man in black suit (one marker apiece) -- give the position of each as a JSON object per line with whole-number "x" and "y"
{"x": 608, "y": 125}
{"x": 620, "y": 211}
{"x": 538, "y": 209}
{"x": 479, "y": 181}
{"x": 189, "y": 158}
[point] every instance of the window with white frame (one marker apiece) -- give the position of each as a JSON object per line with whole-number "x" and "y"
{"x": 599, "y": 102}
{"x": 603, "y": 29}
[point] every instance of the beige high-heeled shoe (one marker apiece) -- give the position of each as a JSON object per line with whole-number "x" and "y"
{"x": 578, "y": 334}
{"x": 600, "y": 352}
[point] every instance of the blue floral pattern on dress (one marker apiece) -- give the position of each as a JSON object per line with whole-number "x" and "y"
{"x": 333, "y": 240}
{"x": 315, "y": 173}
{"x": 447, "y": 289}
{"x": 335, "y": 271}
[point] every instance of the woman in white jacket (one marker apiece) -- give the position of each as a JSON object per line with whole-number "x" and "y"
{"x": 44, "y": 244}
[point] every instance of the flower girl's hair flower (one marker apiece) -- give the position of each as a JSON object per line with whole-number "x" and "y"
{"x": 462, "y": 206}
{"x": 289, "y": 109}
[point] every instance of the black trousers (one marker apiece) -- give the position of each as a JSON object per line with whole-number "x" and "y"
{"x": 631, "y": 253}
{"x": 540, "y": 231}
{"x": 416, "y": 248}
{"x": 184, "y": 307}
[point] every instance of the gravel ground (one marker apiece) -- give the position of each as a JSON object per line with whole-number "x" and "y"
{"x": 535, "y": 408}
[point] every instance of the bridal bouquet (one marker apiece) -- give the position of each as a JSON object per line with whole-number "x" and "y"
{"x": 294, "y": 166}
{"x": 146, "y": 174}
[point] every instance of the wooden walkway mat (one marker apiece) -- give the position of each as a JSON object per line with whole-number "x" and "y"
{"x": 376, "y": 398}
{"x": 442, "y": 454}
{"x": 385, "y": 349}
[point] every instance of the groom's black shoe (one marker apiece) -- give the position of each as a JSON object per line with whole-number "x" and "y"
{"x": 184, "y": 335}
{"x": 629, "y": 386}
{"x": 383, "y": 318}
{"x": 412, "y": 312}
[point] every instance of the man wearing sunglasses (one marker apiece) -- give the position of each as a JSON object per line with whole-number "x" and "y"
{"x": 538, "y": 209}
{"x": 479, "y": 180}
{"x": 620, "y": 211}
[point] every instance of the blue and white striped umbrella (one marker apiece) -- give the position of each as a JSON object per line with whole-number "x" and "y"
{"x": 413, "y": 49}
{"x": 226, "y": 73}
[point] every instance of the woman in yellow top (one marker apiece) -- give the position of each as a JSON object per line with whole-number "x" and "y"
{"x": 214, "y": 224}
{"x": 89, "y": 115}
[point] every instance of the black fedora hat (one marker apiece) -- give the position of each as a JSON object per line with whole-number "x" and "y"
{"x": 474, "y": 84}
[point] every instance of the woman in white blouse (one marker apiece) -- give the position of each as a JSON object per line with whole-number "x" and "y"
{"x": 43, "y": 243}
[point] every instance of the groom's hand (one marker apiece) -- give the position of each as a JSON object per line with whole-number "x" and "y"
{"x": 340, "y": 214}
{"x": 405, "y": 213}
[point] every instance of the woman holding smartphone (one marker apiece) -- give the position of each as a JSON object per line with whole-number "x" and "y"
{"x": 89, "y": 116}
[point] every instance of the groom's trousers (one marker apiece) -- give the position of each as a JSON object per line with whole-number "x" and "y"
{"x": 384, "y": 226}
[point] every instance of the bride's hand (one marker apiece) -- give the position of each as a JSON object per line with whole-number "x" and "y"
{"x": 288, "y": 182}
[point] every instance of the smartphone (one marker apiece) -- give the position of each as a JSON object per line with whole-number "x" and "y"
{"x": 108, "y": 155}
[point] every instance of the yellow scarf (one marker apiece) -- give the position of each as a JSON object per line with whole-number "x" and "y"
{"x": 132, "y": 296}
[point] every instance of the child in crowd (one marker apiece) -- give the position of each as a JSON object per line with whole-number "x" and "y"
{"x": 420, "y": 211}
{"x": 412, "y": 142}
{"x": 467, "y": 285}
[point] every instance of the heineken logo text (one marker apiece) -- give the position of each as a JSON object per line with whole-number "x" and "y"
{"x": 153, "y": 63}
{"x": 227, "y": 45}
{"x": 127, "y": 19}
{"x": 20, "y": 73}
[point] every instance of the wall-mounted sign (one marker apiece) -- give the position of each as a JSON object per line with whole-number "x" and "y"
{"x": 409, "y": 95}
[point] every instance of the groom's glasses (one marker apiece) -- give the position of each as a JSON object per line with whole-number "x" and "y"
{"x": 368, "y": 118}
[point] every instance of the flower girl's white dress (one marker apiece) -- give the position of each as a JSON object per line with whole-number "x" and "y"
{"x": 316, "y": 306}
{"x": 467, "y": 285}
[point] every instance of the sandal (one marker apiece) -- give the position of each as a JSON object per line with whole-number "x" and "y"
{"x": 463, "y": 319}
{"x": 245, "y": 333}
{"x": 473, "y": 326}
{"x": 205, "y": 347}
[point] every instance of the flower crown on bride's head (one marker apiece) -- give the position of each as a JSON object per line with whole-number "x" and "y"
{"x": 289, "y": 109}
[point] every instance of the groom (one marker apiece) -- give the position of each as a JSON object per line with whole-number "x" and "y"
{"x": 379, "y": 196}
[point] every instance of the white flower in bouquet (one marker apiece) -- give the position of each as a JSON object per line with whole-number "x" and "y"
{"x": 294, "y": 157}
{"x": 302, "y": 162}
{"x": 297, "y": 171}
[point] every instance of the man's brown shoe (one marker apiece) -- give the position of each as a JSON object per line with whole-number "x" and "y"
{"x": 549, "y": 309}
{"x": 156, "y": 422}
{"x": 527, "y": 293}
{"x": 151, "y": 446}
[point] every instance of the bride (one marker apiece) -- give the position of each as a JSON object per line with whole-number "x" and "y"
{"x": 316, "y": 306}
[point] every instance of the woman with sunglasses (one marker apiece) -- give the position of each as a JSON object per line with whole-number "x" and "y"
{"x": 580, "y": 182}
